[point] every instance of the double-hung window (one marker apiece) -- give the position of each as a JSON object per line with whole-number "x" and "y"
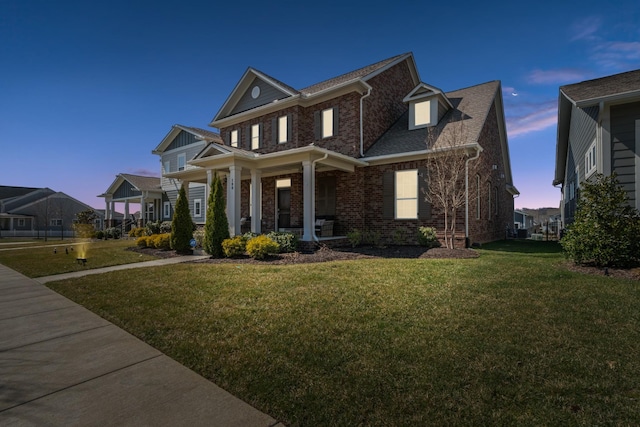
{"x": 283, "y": 125}
{"x": 406, "y": 194}
{"x": 166, "y": 210}
{"x": 590, "y": 160}
{"x": 255, "y": 136}
{"x": 182, "y": 161}
{"x": 234, "y": 138}
{"x": 327, "y": 123}
{"x": 197, "y": 207}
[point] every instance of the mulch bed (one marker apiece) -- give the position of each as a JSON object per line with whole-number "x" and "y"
{"x": 325, "y": 254}
{"x": 620, "y": 273}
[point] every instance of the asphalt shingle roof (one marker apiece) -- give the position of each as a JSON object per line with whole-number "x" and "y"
{"x": 143, "y": 183}
{"x": 471, "y": 104}
{"x": 207, "y": 134}
{"x": 603, "y": 87}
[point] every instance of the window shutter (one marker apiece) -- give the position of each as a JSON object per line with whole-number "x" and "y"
{"x": 388, "y": 195}
{"x": 274, "y": 131}
{"x": 227, "y": 138}
{"x": 260, "y": 135}
{"x": 247, "y": 137}
{"x": 335, "y": 121}
{"x": 317, "y": 125}
{"x": 289, "y": 127}
{"x": 424, "y": 207}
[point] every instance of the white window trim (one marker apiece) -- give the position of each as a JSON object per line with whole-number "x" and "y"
{"x": 414, "y": 197}
{"x": 167, "y": 166}
{"x": 234, "y": 138}
{"x": 55, "y": 222}
{"x": 197, "y": 208}
{"x": 590, "y": 160}
{"x": 184, "y": 161}
{"x": 255, "y": 136}
{"x": 327, "y": 123}
{"x": 166, "y": 210}
{"x": 283, "y": 129}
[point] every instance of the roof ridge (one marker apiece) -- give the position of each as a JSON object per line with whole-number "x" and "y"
{"x": 612, "y": 76}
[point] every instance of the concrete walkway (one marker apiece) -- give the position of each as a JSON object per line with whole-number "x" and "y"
{"x": 62, "y": 365}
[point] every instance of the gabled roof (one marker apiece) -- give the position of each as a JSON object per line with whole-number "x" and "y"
{"x": 139, "y": 182}
{"x": 202, "y": 134}
{"x": 424, "y": 90}
{"x": 7, "y": 192}
{"x": 286, "y": 95}
{"x": 593, "y": 91}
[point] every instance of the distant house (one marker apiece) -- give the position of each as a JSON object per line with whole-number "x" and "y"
{"x": 137, "y": 189}
{"x": 346, "y": 153}
{"x": 598, "y": 132}
{"x": 38, "y": 212}
{"x": 522, "y": 221}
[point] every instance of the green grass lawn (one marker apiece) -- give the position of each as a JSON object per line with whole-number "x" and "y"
{"x": 42, "y": 261}
{"x": 509, "y": 338}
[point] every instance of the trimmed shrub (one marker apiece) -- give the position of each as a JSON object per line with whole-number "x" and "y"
{"x": 261, "y": 246}
{"x": 182, "y": 225}
{"x": 137, "y": 232}
{"x": 143, "y": 241}
{"x": 216, "y": 228}
{"x": 234, "y": 247}
{"x": 249, "y": 235}
{"x": 100, "y": 234}
{"x": 288, "y": 242}
{"x": 112, "y": 233}
{"x": 427, "y": 237}
{"x": 161, "y": 241}
{"x": 165, "y": 227}
{"x": 355, "y": 237}
{"x": 152, "y": 227}
{"x": 199, "y": 236}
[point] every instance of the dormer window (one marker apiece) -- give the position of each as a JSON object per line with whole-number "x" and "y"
{"x": 422, "y": 113}
{"x": 427, "y": 105}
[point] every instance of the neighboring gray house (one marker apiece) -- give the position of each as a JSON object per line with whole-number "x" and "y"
{"x": 38, "y": 212}
{"x": 598, "y": 132}
{"x": 522, "y": 220}
{"x": 179, "y": 146}
{"x": 128, "y": 188}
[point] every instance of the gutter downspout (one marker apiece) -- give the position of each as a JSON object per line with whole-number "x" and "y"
{"x": 466, "y": 195}
{"x": 361, "y": 124}
{"x": 313, "y": 196}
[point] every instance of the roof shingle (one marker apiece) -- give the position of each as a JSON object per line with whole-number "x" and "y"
{"x": 603, "y": 87}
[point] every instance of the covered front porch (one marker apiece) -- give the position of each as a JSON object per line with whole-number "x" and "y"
{"x": 274, "y": 191}
{"x": 133, "y": 189}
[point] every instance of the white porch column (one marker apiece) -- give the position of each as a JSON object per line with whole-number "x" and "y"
{"x": 233, "y": 200}
{"x": 256, "y": 201}
{"x": 126, "y": 210}
{"x": 112, "y": 210}
{"x": 308, "y": 189}
{"x": 186, "y": 188}
{"x": 107, "y": 212}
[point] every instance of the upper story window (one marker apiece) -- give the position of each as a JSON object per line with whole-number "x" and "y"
{"x": 406, "y": 194}
{"x": 167, "y": 166}
{"x": 182, "y": 161}
{"x": 590, "y": 160}
{"x": 422, "y": 113}
{"x": 255, "y": 136}
{"x": 327, "y": 123}
{"x": 283, "y": 127}
{"x": 234, "y": 138}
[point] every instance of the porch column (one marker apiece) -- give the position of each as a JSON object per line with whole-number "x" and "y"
{"x": 186, "y": 188}
{"x": 233, "y": 200}
{"x": 308, "y": 189}
{"x": 107, "y": 212}
{"x": 143, "y": 213}
{"x": 126, "y": 210}
{"x": 256, "y": 201}
{"x": 112, "y": 210}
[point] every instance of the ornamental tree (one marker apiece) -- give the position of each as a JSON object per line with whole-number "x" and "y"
{"x": 182, "y": 224}
{"x": 216, "y": 229}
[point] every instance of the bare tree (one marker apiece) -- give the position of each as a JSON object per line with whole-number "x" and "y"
{"x": 446, "y": 173}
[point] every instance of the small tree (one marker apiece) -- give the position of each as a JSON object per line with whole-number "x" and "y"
{"x": 216, "y": 229}
{"x": 182, "y": 225}
{"x": 84, "y": 225}
{"x": 446, "y": 173}
{"x": 606, "y": 229}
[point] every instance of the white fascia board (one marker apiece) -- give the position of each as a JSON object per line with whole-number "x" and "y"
{"x": 414, "y": 155}
{"x": 609, "y": 99}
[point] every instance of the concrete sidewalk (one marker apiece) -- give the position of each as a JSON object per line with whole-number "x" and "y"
{"x": 62, "y": 365}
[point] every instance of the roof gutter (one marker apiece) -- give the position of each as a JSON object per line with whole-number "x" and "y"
{"x": 369, "y": 88}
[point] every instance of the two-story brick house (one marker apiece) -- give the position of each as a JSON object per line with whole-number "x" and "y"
{"x": 351, "y": 150}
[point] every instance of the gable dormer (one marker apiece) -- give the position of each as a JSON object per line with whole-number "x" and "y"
{"x": 427, "y": 105}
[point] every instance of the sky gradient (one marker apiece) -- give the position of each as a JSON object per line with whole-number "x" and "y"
{"x": 88, "y": 89}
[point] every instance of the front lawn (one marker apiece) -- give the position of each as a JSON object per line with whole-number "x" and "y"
{"x": 61, "y": 256}
{"x": 509, "y": 338}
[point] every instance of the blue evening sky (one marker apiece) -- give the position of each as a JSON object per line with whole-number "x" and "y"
{"x": 89, "y": 88}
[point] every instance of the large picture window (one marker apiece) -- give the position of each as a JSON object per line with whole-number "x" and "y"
{"x": 406, "y": 194}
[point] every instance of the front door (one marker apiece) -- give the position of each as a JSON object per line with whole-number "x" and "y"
{"x": 284, "y": 208}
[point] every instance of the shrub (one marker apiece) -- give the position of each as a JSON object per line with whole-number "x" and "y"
{"x": 165, "y": 227}
{"x": 143, "y": 241}
{"x": 606, "y": 229}
{"x": 100, "y": 234}
{"x": 112, "y": 233}
{"x": 427, "y": 237}
{"x": 373, "y": 238}
{"x": 288, "y": 242}
{"x": 217, "y": 226}
{"x": 137, "y": 232}
{"x": 399, "y": 236}
{"x": 161, "y": 241}
{"x": 234, "y": 247}
{"x": 199, "y": 236}
{"x": 249, "y": 235}
{"x": 152, "y": 227}
{"x": 355, "y": 237}
{"x": 261, "y": 246}
{"x": 182, "y": 224}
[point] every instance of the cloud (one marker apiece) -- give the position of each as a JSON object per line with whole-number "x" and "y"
{"x": 145, "y": 172}
{"x": 586, "y": 28}
{"x": 556, "y": 77}
{"x": 532, "y": 118}
{"x": 617, "y": 55}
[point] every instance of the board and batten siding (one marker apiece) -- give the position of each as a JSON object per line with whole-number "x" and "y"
{"x": 267, "y": 95}
{"x": 126, "y": 191}
{"x": 624, "y": 147}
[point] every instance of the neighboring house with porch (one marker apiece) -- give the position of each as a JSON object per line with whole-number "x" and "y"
{"x": 38, "y": 212}
{"x": 136, "y": 189}
{"x": 350, "y": 151}
{"x": 598, "y": 132}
